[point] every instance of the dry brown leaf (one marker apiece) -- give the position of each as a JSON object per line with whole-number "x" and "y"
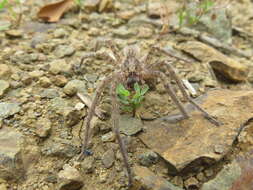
{"x": 53, "y": 12}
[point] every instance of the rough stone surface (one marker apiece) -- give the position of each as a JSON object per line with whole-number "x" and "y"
{"x": 64, "y": 50}
{"x": 228, "y": 67}
{"x": 189, "y": 143}
{"x": 108, "y": 158}
{"x": 4, "y": 86}
{"x": 50, "y": 93}
{"x": 74, "y": 86}
{"x": 11, "y": 164}
{"x": 59, "y": 66}
{"x": 129, "y": 125}
{"x": 146, "y": 179}
{"x": 5, "y": 71}
{"x": 69, "y": 178}
{"x": 43, "y": 127}
{"x": 108, "y": 137}
{"x": 8, "y": 109}
{"x": 148, "y": 158}
{"x": 225, "y": 179}
{"x": 88, "y": 164}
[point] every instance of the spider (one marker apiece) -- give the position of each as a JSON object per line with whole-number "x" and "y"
{"x": 131, "y": 69}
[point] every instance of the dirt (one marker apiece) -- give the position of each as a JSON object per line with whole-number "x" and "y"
{"x": 41, "y": 64}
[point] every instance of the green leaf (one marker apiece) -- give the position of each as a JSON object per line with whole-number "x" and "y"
{"x": 181, "y": 16}
{"x": 121, "y": 90}
{"x": 123, "y": 99}
{"x": 137, "y": 88}
{"x": 144, "y": 89}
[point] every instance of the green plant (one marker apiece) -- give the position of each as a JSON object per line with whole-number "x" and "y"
{"x": 131, "y": 101}
{"x": 191, "y": 16}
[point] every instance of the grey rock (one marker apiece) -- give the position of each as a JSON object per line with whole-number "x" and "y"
{"x": 87, "y": 164}
{"x": 4, "y": 86}
{"x": 148, "y": 158}
{"x": 108, "y": 158}
{"x": 60, "y": 149}
{"x": 74, "y": 86}
{"x": 11, "y": 164}
{"x": 59, "y": 66}
{"x": 71, "y": 116}
{"x": 129, "y": 125}
{"x": 69, "y": 178}
{"x": 24, "y": 58}
{"x": 50, "y": 93}
{"x": 8, "y": 109}
{"x": 225, "y": 179}
{"x": 45, "y": 82}
{"x": 64, "y": 50}
{"x": 60, "y": 33}
{"x": 58, "y": 104}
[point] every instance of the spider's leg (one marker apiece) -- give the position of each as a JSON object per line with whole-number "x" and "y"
{"x": 91, "y": 113}
{"x": 187, "y": 97}
{"x": 172, "y": 93}
{"x": 115, "y": 127}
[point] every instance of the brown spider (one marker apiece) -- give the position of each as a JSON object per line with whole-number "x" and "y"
{"x": 129, "y": 70}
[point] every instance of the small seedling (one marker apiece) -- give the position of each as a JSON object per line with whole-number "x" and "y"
{"x": 131, "y": 101}
{"x": 192, "y": 16}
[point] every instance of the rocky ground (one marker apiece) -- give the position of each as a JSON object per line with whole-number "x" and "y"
{"x": 41, "y": 116}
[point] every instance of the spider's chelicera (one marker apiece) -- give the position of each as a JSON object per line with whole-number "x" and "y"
{"x": 131, "y": 69}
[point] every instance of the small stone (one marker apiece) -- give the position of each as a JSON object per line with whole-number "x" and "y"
{"x": 60, "y": 80}
{"x": 88, "y": 164}
{"x": 155, "y": 9}
{"x": 59, "y": 66}
{"x": 43, "y": 127}
{"x": 148, "y": 158}
{"x": 160, "y": 88}
{"x": 64, "y": 51}
{"x": 69, "y": 178}
{"x": 36, "y": 74}
{"x": 145, "y": 32}
{"x": 4, "y": 86}
{"x": 108, "y": 137}
{"x": 3, "y": 186}
{"x": 74, "y": 86}
{"x": 49, "y": 93}
{"x": 209, "y": 172}
{"x": 71, "y": 116}
{"x": 191, "y": 183}
{"x": 60, "y": 33}
{"x": 26, "y": 79}
{"x": 8, "y": 109}
{"x": 129, "y": 125}
{"x": 45, "y": 82}
{"x": 5, "y": 71}
{"x": 219, "y": 149}
{"x": 11, "y": 166}
{"x": 60, "y": 149}
{"x": 108, "y": 158}
{"x": 91, "y": 5}
{"x": 79, "y": 106}
{"x": 201, "y": 177}
{"x": 14, "y": 33}
{"x": 126, "y": 14}
{"x": 178, "y": 181}
{"x": 123, "y": 32}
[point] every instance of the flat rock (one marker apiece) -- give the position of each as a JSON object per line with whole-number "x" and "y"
{"x": 129, "y": 125}
{"x": 146, "y": 179}
{"x": 4, "y": 86}
{"x": 11, "y": 164}
{"x": 5, "y": 71}
{"x": 108, "y": 158}
{"x": 190, "y": 143}
{"x": 228, "y": 67}
{"x": 8, "y": 109}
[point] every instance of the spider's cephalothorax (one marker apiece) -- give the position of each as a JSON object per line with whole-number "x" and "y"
{"x": 131, "y": 69}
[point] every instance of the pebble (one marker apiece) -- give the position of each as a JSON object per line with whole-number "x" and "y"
{"x": 59, "y": 80}
{"x": 36, "y": 74}
{"x": 60, "y": 33}
{"x": 14, "y": 33}
{"x": 43, "y": 127}
{"x": 108, "y": 158}
{"x": 4, "y": 86}
{"x": 74, "y": 86}
{"x": 59, "y": 66}
{"x": 191, "y": 183}
{"x": 148, "y": 158}
{"x": 50, "y": 93}
{"x": 123, "y": 32}
{"x": 5, "y": 71}
{"x": 129, "y": 125}
{"x": 8, "y": 109}
{"x": 88, "y": 164}
{"x": 45, "y": 82}
{"x": 108, "y": 137}
{"x": 64, "y": 51}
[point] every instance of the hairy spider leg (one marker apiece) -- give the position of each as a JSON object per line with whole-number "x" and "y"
{"x": 115, "y": 127}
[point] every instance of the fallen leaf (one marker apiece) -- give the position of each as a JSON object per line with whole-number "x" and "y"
{"x": 53, "y": 12}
